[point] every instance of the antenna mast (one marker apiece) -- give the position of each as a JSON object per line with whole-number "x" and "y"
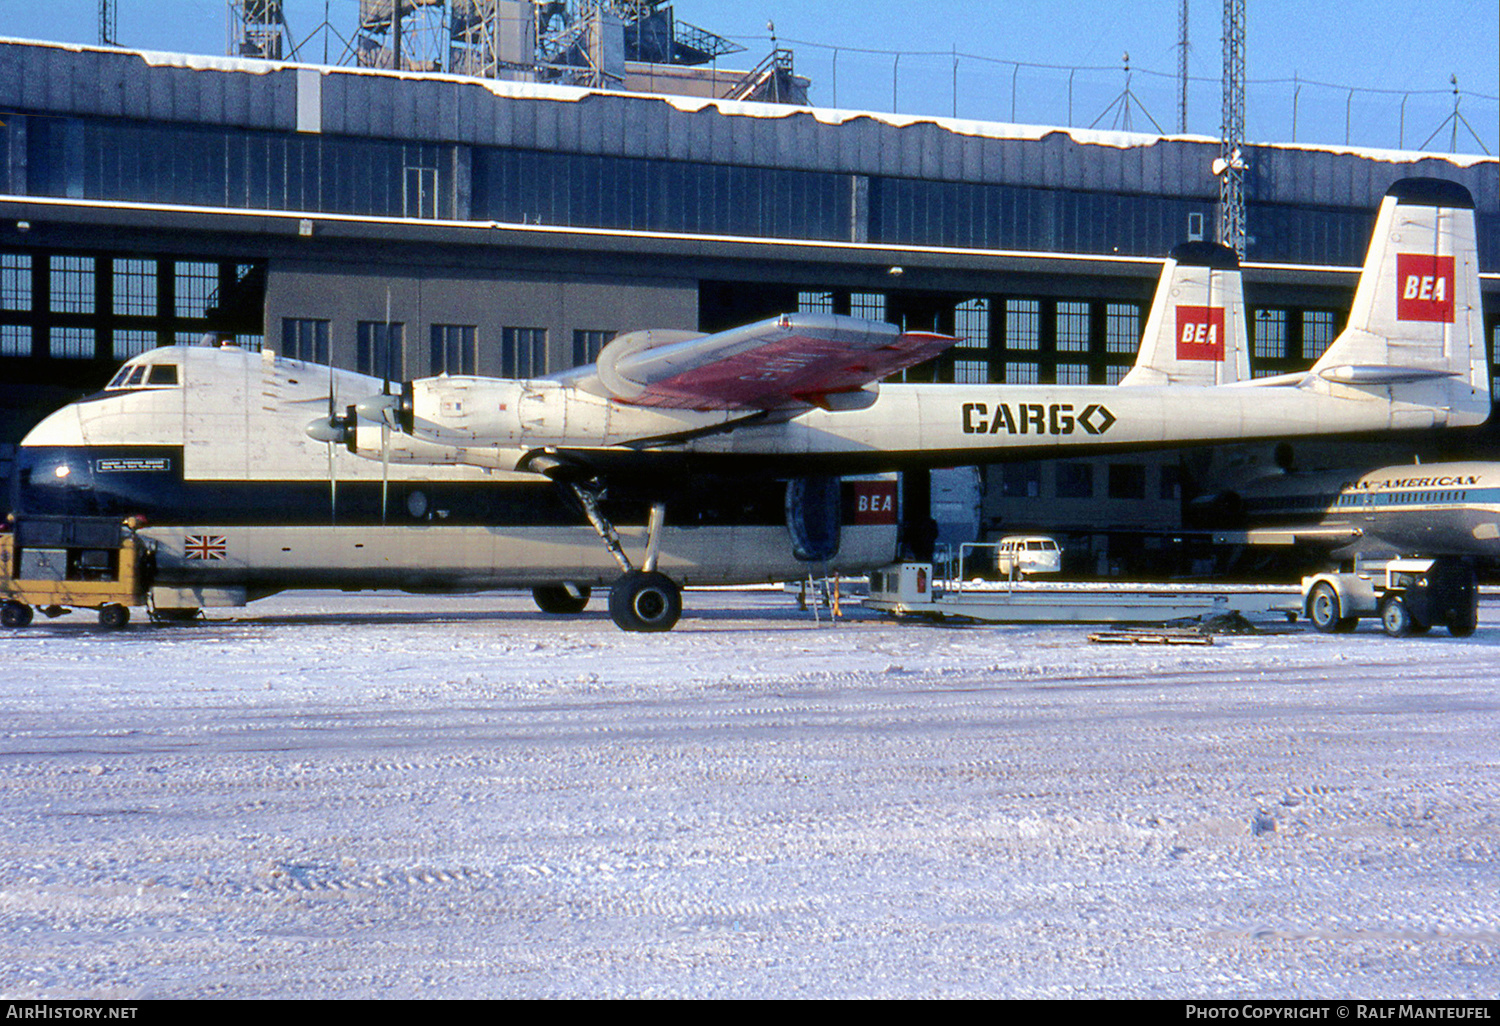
{"x": 108, "y": 24}
{"x": 1182, "y": 67}
{"x": 1230, "y": 167}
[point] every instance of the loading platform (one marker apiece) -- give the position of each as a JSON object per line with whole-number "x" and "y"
{"x": 910, "y": 589}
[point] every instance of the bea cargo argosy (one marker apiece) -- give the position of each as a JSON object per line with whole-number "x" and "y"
{"x": 802, "y": 394}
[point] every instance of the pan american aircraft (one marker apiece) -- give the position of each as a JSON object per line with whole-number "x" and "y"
{"x": 1412, "y": 509}
{"x": 802, "y": 395}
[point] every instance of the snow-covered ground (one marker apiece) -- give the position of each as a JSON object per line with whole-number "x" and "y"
{"x": 366, "y": 796}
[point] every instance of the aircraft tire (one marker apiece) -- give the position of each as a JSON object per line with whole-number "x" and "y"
{"x": 15, "y": 614}
{"x": 1396, "y": 618}
{"x": 645, "y": 601}
{"x": 562, "y": 599}
{"x": 1323, "y": 609}
{"x": 113, "y": 616}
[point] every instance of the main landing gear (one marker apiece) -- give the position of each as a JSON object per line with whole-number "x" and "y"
{"x": 640, "y": 599}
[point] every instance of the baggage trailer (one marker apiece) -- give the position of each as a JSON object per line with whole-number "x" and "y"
{"x": 55, "y": 564}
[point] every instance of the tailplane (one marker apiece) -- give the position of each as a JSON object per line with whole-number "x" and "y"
{"x": 1195, "y": 333}
{"x": 1416, "y": 330}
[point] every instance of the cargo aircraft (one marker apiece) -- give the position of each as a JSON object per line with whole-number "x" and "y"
{"x": 204, "y": 445}
{"x": 801, "y": 395}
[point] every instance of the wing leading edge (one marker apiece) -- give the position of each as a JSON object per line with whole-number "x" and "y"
{"x": 787, "y": 360}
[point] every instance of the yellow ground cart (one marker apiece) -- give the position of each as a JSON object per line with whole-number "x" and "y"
{"x": 55, "y": 564}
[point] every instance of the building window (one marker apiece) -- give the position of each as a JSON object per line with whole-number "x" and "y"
{"x": 587, "y": 345}
{"x": 379, "y": 350}
{"x": 135, "y": 288}
{"x": 1073, "y": 327}
{"x": 523, "y": 352}
{"x": 1075, "y": 480}
{"x": 304, "y": 340}
{"x": 1072, "y": 374}
{"x": 1021, "y": 374}
{"x": 1114, "y": 373}
{"x": 1171, "y": 482}
{"x": 132, "y": 343}
{"x": 1270, "y": 334}
{"x": 1023, "y": 323}
{"x": 453, "y": 348}
{"x": 72, "y": 285}
{"x": 15, "y": 340}
{"x": 72, "y": 343}
{"x": 1317, "y": 333}
{"x": 197, "y": 282}
{"x": 15, "y": 281}
{"x": 971, "y": 372}
{"x": 1122, "y": 328}
{"x": 1195, "y": 226}
{"x": 1020, "y": 480}
{"x": 971, "y": 323}
{"x": 869, "y": 305}
{"x": 1127, "y": 481}
{"x": 809, "y": 302}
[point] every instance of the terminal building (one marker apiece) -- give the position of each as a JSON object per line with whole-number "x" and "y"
{"x": 413, "y": 222}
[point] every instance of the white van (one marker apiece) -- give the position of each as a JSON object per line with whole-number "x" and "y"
{"x": 1020, "y": 555}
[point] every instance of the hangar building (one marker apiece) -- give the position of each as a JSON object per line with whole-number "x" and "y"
{"x": 424, "y": 222}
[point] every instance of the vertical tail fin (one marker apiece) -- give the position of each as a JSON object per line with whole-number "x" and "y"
{"x": 1416, "y": 330}
{"x": 1195, "y": 333}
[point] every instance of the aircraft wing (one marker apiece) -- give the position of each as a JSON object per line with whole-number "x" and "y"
{"x": 1311, "y": 536}
{"x": 788, "y": 360}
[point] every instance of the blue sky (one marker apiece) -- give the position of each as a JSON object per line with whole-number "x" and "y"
{"x": 1372, "y": 73}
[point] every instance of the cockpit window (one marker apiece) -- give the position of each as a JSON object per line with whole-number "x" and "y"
{"x": 145, "y": 375}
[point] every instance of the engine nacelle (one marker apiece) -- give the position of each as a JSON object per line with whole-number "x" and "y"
{"x": 530, "y": 415}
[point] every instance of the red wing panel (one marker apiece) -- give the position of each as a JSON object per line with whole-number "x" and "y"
{"x": 796, "y": 368}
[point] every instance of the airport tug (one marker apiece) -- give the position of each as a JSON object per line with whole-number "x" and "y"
{"x": 57, "y": 564}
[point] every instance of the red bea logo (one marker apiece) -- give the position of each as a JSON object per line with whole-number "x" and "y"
{"x": 1424, "y": 287}
{"x": 874, "y": 502}
{"x": 1200, "y": 333}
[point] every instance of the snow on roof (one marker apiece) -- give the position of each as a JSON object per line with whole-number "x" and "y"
{"x": 747, "y": 108}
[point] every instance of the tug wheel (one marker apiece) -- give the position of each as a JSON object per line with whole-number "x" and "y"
{"x": 1325, "y": 611}
{"x": 15, "y": 614}
{"x": 113, "y": 616}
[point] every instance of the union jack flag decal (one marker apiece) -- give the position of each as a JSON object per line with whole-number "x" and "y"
{"x": 205, "y": 546}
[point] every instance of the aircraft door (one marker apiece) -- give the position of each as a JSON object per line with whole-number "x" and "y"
{"x": 814, "y": 517}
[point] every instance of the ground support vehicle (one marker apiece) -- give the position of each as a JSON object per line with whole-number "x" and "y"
{"x": 1410, "y": 596}
{"x": 54, "y": 564}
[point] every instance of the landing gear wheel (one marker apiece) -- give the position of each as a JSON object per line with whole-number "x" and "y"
{"x": 564, "y": 598}
{"x": 1324, "y": 610}
{"x": 15, "y": 614}
{"x": 644, "y": 600}
{"x": 1396, "y": 618}
{"x": 1462, "y": 625}
{"x": 113, "y": 616}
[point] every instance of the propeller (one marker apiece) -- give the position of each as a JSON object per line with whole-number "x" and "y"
{"x": 334, "y": 430}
